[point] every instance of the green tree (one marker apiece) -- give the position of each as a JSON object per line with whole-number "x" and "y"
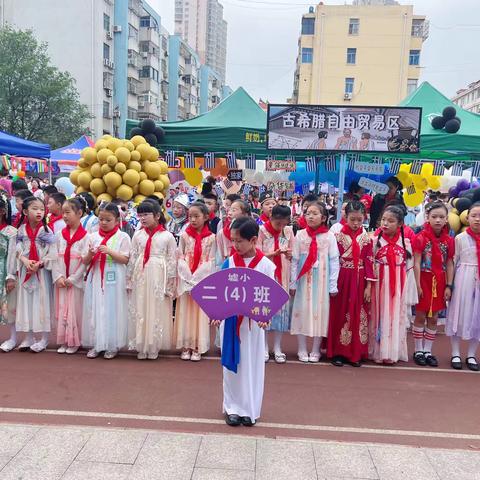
{"x": 37, "y": 101}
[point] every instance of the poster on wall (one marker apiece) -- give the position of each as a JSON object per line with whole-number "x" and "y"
{"x": 344, "y": 128}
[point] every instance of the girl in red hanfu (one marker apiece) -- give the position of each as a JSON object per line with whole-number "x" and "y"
{"x": 350, "y": 309}
{"x": 391, "y": 293}
{"x": 434, "y": 251}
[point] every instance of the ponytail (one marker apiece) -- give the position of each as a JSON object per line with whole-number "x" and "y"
{"x": 407, "y": 253}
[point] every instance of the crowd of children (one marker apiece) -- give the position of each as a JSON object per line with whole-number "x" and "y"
{"x": 78, "y": 272}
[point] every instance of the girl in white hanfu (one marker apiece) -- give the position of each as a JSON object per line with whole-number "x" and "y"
{"x": 68, "y": 272}
{"x": 8, "y": 273}
{"x": 196, "y": 260}
{"x": 36, "y": 250}
{"x": 243, "y": 340}
{"x": 105, "y": 310}
{"x": 152, "y": 271}
{"x": 315, "y": 269}
{"x": 393, "y": 291}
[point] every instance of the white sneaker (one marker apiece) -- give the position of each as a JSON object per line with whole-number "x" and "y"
{"x": 152, "y": 356}
{"x": 71, "y": 350}
{"x": 267, "y": 357}
{"x": 92, "y": 353}
{"x": 314, "y": 357}
{"x": 141, "y": 356}
{"x": 39, "y": 346}
{"x": 62, "y": 349}
{"x": 196, "y": 357}
{"x": 303, "y": 357}
{"x": 185, "y": 355}
{"x": 7, "y": 345}
{"x": 109, "y": 354}
{"x": 25, "y": 345}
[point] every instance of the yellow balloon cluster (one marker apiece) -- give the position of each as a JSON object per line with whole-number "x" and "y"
{"x": 123, "y": 169}
{"x": 426, "y": 180}
{"x": 458, "y": 222}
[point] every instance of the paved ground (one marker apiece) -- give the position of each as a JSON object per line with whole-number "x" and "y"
{"x": 81, "y": 453}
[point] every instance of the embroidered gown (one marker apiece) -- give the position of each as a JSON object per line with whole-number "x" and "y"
{"x": 192, "y": 326}
{"x": 8, "y": 271}
{"x": 35, "y": 296}
{"x": 311, "y": 304}
{"x": 266, "y": 243}
{"x": 389, "y": 322}
{"x": 349, "y": 312}
{"x": 69, "y": 301}
{"x": 153, "y": 288}
{"x": 105, "y": 310}
{"x": 243, "y": 391}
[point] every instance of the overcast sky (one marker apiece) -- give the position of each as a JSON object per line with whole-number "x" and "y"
{"x": 263, "y": 36}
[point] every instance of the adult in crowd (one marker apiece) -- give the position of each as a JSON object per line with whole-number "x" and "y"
{"x": 380, "y": 201}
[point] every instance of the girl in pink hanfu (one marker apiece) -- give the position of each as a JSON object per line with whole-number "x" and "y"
{"x": 315, "y": 268}
{"x": 275, "y": 240}
{"x": 68, "y": 272}
{"x": 393, "y": 291}
{"x": 196, "y": 260}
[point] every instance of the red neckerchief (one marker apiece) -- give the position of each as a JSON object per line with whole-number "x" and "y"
{"x": 148, "y": 245}
{"x": 343, "y": 222}
{"x": 302, "y": 223}
{"x": 53, "y": 218}
{"x": 437, "y": 257}
{"x": 392, "y": 260}
{"x": 239, "y": 261}
{"x": 3, "y": 225}
{"x": 313, "y": 250}
{"x": 102, "y": 256}
{"x": 16, "y": 221}
{"x": 211, "y": 215}
{"x": 197, "y": 252}
{"x": 77, "y": 236}
{"x": 263, "y": 218}
{"x": 355, "y": 246}
{"x": 476, "y": 238}
{"x": 33, "y": 254}
{"x": 277, "y": 259}
{"x": 226, "y": 229}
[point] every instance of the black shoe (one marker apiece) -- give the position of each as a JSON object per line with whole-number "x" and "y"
{"x": 356, "y": 364}
{"x": 337, "y": 361}
{"x": 431, "y": 360}
{"x": 419, "y": 359}
{"x": 247, "y": 422}
{"x": 233, "y": 420}
{"x": 474, "y": 367}
{"x": 456, "y": 363}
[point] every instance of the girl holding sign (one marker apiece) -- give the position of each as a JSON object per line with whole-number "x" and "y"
{"x": 243, "y": 340}
{"x": 314, "y": 275}
{"x": 196, "y": 260}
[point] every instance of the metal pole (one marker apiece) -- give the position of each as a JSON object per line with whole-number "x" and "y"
{"x": 341, "y": 184}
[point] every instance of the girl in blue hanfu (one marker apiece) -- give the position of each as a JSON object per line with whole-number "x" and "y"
{"x": 243, "y": 341}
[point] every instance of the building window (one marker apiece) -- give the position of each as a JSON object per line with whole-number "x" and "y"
{"x": 106, "y": 51}
{"x": 145, "y": 21}
{"x": 149, "y": 72}
{"x": 106, "y": 110}
{"x": 414, "y": 58}
{"x": 354, "y": 26}
{"x": 132, "y": 32}
{"x": 417, "y": 27}
{"x": 351, "y": 56}
{"x": 106, "y": 22}
{"x": 308, "y": 26}
{"x": 349, "y": 85}
{"x": 411, "y": 85}
{"x": 307, "y": 55}
{"x": 132, "y": 113}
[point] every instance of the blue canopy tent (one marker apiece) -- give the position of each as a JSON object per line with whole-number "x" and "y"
{"x": 12, "y": 145}
{"x": 65, "y": 159}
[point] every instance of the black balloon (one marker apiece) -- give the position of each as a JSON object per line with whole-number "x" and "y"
{"x": 148, "y": 125}
{"x": 160, "y": 134}
{"x": 463, "y": 204}
{"x": 438, "y": 123}
{"x": 452, "y": 126}
{"x": 151, "y": 139}
{"x": 136, "y": 131}
{"x": 449, "y": 113}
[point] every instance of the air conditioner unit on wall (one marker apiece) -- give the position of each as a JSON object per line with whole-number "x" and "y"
{"x": 347, "y": 96}
{"x": 117, "y": 28}
{"x": 108, "y": 92}
{"x": 109, "y": 34}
